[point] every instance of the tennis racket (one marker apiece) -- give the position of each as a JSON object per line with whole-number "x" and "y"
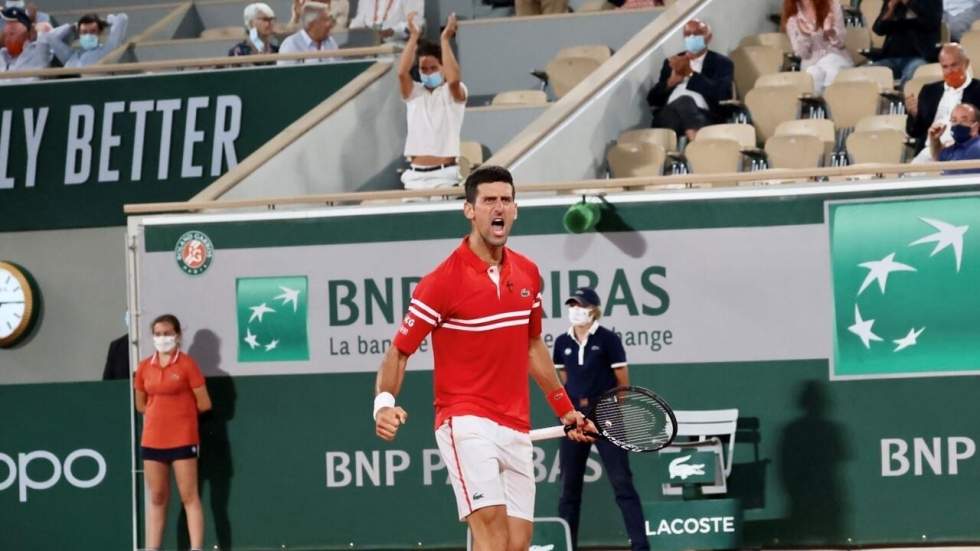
{"x": 630, "y": 417}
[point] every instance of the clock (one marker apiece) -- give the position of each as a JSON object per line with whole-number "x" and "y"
{"x": 19, "y": 304}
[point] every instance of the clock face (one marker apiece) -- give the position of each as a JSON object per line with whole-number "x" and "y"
{"x": 18, "y": 306}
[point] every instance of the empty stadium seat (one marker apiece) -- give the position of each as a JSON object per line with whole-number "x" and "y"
{"x": 470, "y": 157}
{"x": 881, "y": 122}
{"x": 794, "y": 151}
{"x": 822, "y": 129}
{"x": 598, "y": 52}
{"x": 801, "y": 80}
{"x": 771, "y": 105}
{"x": 929, "y": 70}
{"x": 628, "y": 160}
{"x": 664, "y": 137}
{"x": 849, "y": 102}
{"x": 520, "y": 97}
{"x": 971, "y": 43}
{"x": 869, "y": 12}
{"x": 857, "y": 40}
{"x": 712, "y": 156}
{"x": 779, "y": 41}
{"x": 564, "y": 73}
{"x": 751, "y": 62}
{"x": 743, "y": 134}
{"x": 882, "y": 76}
{"x": 877, "y": 146}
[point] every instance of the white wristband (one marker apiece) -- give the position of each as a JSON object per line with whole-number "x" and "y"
{"x": 383, "y": 400}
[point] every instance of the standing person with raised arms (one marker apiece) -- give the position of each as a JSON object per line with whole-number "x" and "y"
{"x": 482, "y": 306}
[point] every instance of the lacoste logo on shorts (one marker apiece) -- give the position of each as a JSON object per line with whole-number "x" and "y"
{"x": 477, "y": 496}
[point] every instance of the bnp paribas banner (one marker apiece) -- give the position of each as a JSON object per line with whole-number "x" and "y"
{"x": 72, "y": 152}
{"x": 840, "y": 321}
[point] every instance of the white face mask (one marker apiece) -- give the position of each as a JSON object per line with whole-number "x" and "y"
{"x": 165, "y": 344}
{"x": 579, "y": 316}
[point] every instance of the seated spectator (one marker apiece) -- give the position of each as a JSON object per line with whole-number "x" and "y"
{"x": 691, "y": 85}
{"x": 90, "y": 49}
{"x": 22, "y": 50}
{"x": 388, "y": 17}
{"x": 816, "y": 31}
{"x": 966, "y": 144}
{"x": 31, "y": 9}
{"x": 259, "y": 19}
{"x": 538, "y": 7}
{"x": 936, "y": 100}
{"x": 434, "y": 109}
{"x": 911, "y": 29}
{"x": 959, "y": 15}
{"x": 313, "y": 37}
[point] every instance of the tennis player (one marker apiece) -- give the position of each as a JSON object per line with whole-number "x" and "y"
{"x": 482, "y": 306}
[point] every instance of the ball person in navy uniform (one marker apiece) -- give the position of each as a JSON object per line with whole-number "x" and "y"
{"x": 591, "y": 360}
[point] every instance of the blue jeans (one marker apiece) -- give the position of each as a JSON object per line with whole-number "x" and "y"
{"x": 902, "y": 67}
{"x": 617, "y": 465}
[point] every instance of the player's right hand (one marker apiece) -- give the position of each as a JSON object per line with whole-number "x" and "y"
{"x": 388, "y": 421}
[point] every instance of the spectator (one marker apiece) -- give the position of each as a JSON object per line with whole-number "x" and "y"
{"x": 816, "y": 30}
{"x": 911, "y": 29}
{"x": 22, "y": 50}
{"x": 538, "y": 7}
{"x": 966, "y": 145}
{"x": 313, "y": 37}
{"x": 259, "y": 19}
{"x": 691, "y": 85}
{"x": 388, "y": 17}
{"x": 936, "y": 100}
{"x": 89, "y": 29}
{"x": 959, "y": 15}
{"x": 434, "y": 109}
{"x": 31, "y": 9}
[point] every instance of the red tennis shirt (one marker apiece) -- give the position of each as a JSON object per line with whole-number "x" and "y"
{"x": 170, "y": 420}
{"x": 482, "y": 319}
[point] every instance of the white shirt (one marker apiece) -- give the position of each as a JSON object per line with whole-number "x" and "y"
{"x": 435, "y": 120}
{"x": 388, "y": 14}
{"x": 78, "y": 57}
{"x": 681, "y": 89}
{"x": 301, "y": 42}
{"x": 950, "y": 99}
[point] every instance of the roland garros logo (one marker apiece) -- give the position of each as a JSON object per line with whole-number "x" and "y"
{"x": 194, "y": 252}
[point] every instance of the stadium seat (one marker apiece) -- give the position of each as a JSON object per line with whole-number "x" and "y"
{"x": 869, "y": 12}
{"x": 971, "y": 43}
{"x": 664, "y": 137}
{"x": 520, "y": 97}
{"x": 565, "y": 72}
{"x": 712, "y": 156}
{"x": 878, "y": 146}
{"x": 779, "y": 41}
{"x": 881, "y": 122}
{"x": 744, "y": 134}
{"x": 794, "y": 151}
{"x": 914, "y": 86}
{"x": 849, "y": 102}
{"x": 882, "y": 76}
{"x": 771, "y": 105}
{"x": 822, "y": 129}
{"x": 929, "y": 70}
{"x": 802, "y": 80}
{"x": 628, "y": 160}
{"x": 470, "y": 157}
{"x": 751, "y": 62}
{"x": 857, "y": 40}
{"x": 237, "y": 32}
{"x": 598, "y": 52}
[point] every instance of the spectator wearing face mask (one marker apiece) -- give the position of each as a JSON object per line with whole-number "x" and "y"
{"x": 935, "y": 102}
{"x": 313, "y": 37}
{"x": 963, "y": 128}
{"x": 434, "y": 109}
{"x": 691, "y": 85}
{"x": 22, "y": 49}
{"x": 259, "y": 19}
{"x": 90, "y": 30}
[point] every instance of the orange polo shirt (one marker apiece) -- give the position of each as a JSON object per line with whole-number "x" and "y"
{"x": 170, "y": 420}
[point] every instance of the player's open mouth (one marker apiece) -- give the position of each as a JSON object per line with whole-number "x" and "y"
{"x": 497, "y": 226}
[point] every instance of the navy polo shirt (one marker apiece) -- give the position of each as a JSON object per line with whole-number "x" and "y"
{"x": 968, "y": 150}
{"x": 589, "y": 368}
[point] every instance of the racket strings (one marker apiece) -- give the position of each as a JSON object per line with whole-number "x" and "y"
{"x": 634, "y": 420}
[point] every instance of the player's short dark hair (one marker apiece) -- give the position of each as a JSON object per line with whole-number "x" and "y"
{"x": 92, "y": 18}
{"x": 167, "y": 318}
{"x": 486, "y": 175}
{"x": 427, "y": 48}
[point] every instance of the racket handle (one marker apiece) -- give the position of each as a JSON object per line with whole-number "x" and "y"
{"x": 549, "y": 433}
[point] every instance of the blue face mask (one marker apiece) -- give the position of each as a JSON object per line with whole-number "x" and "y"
{"x": 88, "y": 41}
{"x": 694, "y": 43}
{"x": 960, "y": 132}
{"x": 432, "y": 80}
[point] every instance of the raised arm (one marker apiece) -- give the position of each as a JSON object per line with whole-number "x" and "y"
{"x": 58, "y": 40}
{"x": 388, "y": 416}
{"x": 405, "y": 83}
{"x": 450, "y": 67}
{"x": 118, "y": 25}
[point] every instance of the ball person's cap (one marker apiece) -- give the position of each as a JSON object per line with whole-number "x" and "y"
{"x": 584, "y": 296}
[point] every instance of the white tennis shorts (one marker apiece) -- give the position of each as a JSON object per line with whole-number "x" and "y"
{"x": 488, "y": 464}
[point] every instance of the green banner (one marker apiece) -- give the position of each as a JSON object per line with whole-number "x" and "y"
{"x": 694, "y": 524}
{"x": 73, "y": 152}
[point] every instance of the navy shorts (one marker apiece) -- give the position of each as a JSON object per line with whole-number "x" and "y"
{"x": 169, "y": 455}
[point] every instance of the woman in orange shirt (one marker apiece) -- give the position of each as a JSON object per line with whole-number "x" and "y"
{"x": 170, "y": 393}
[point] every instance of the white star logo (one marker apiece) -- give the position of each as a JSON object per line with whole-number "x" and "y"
{"x": 908, "y": 340}
{"x": 288, "y": 295}
{"x": 259, "y": 311}
{"x": 879, "y": 270}
{"x": 947, "y": 235}
{"x": 862, "y": 328}
{"x": 250, "y": 338}
{"x": 274, "y": 343}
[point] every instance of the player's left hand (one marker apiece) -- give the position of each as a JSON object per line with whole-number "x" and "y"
{"x": 582, "y": 428}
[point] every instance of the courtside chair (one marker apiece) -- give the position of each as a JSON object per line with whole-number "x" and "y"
{"x": 713, "y": 431}
{"x": 632, "y": 159}
{"x": 876, "y": 146}
{"x": 520, "y": 97}
{"x": 794, "y": 151}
